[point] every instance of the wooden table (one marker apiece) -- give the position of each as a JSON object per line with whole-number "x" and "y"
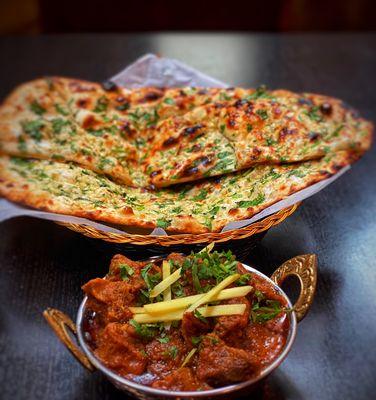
{"x": 42, "y": 264}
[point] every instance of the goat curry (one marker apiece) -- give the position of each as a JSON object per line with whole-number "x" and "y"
{"x": 190, "y": 323}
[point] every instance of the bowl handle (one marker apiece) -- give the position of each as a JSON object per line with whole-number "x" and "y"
{"x": 61, "y": 323}
{"x": 305, "y": 268}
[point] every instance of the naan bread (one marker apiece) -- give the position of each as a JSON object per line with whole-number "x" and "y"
{"x": 195, "y": 208}
{"x": 160, "y": 137}
{"x": 36, "y": 121}
{"x": 263, "y": 127}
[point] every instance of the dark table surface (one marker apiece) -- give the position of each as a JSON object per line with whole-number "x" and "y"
{"x": 42, "y": 264}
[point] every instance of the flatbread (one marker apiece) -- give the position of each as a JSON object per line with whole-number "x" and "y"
{"x": 195, "y": 208}
{"x": 161, "y": 137}
{"x": 263, "y": 127}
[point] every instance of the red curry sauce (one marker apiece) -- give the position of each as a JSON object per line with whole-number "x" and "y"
{"x": 230, "y": 349}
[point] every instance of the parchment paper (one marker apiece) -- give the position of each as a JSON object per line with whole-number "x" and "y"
{"x": 151, "y": 70}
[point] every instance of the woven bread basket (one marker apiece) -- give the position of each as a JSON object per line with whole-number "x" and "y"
{"x": 184, "y": 239}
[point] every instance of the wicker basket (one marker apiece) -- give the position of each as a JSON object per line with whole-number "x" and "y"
{"x": 159, "y": 245}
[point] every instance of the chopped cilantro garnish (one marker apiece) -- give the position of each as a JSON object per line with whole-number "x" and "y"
{"x": 296, "y": 172}
{"x": 22, "y": 144}
{"x": 33, "y": 129}
{"x": 313, "y": 114}
{"x": 214, "y": 211}
{"x": 337, "y": 131}
{"x": 243, "y": 280}
{"x": 101, "y": 105}
{"x": 21, "y": 162}
{"x": 199, "y": 316}
{"x": 61, "y": 110}
{"x": 177, "y": 289}
{"x": 263, "y": 114}
{"x": 224, "y": 154}
{"x": 201, "y": 195}
{"x": 150, "y": 279}
{"x": 96, "y": 132}
{"x": 270, "y": 141}
{"x": 125, "y": 271}
{"x": 196, "y": 340}
{"x": 224, "y": 96}
{"x": 58, "y": 124}
{"x": 172, "y": 352}
{"x": 165, "y": 339}
{"x": 36, "y": 108}
{"x": 145, "y": 331}
{"x": 264, "y": 313}
{"x": 195, "y": 278}
{"x": 162, "y": 223}
{"x": 169, "y": 100}
{"x": 213, "y": 340}
{"x": 251, "y": 203}
{"x": 206, "y": 265}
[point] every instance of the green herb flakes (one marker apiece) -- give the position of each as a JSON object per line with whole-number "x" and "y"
{"x": 125, "y": 271}
{"x": 251, "y": 203}
{"x": 36, "y": 108}
{"x": 33, "y": 129}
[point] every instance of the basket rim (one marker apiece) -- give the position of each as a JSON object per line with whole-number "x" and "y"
{"x": 184, "y": 238}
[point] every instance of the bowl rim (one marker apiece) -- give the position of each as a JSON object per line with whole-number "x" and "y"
{"x": 124, "y": 382}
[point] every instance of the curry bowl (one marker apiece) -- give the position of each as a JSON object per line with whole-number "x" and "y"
{"x": 304, "y": 267}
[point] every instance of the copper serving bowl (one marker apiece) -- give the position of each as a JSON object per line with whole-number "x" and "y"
{"x": 304, "y": 267}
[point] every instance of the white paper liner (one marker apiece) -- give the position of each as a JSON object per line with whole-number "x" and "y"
{"x": 151, "y": 70}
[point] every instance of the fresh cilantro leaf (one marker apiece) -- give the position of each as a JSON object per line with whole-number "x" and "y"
{"x": 165, "y": 339}
{"x": 196, "y": 340}
{"x": 36, "y": 108}
{"x": 261, "y": 92}
{"x": 169, "y": 100}
{"x": 264, "y": 314}
{"x": 313, "y": 114}
{"x": 263, "y": 114}
{"x": 201, "y": 195}
{"x": 177, "y": 289}
{"x": 101, "y": 105}
{"x": 171, "y": 352}
{"x": 251, "y": 203}
{"x": 223, "y": 96}
{"x": 58, "y": 124}
{"x": 199, "y": 316}
{"x": 244, "y": 279}
{"x": 145, "y": 331}
{"x": 125, "y": 271}
{"x": 61, "y": 110}
{"x": 22, "y": 147}
{"x": 195, "y": 278}
{"x": 33, "y": 129}
{"x": 162, "y": 223}
{"x": 150, "y": 279}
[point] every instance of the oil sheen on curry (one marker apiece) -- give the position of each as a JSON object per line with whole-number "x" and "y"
{"x": 188, "y": 323}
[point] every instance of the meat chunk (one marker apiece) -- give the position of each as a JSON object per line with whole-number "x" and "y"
{"x": 110, "y": 299}
{"x": 181, "y": 379}
{"x": 192, "y": 326}
{"x": 264, "y": 342}
{"x": 120, "y": 350}
{"x": 122, "y": 268}
{"x": 219, "y": 364}
{"x": 233, "y": 325}
{"x": 166, "y": 355}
